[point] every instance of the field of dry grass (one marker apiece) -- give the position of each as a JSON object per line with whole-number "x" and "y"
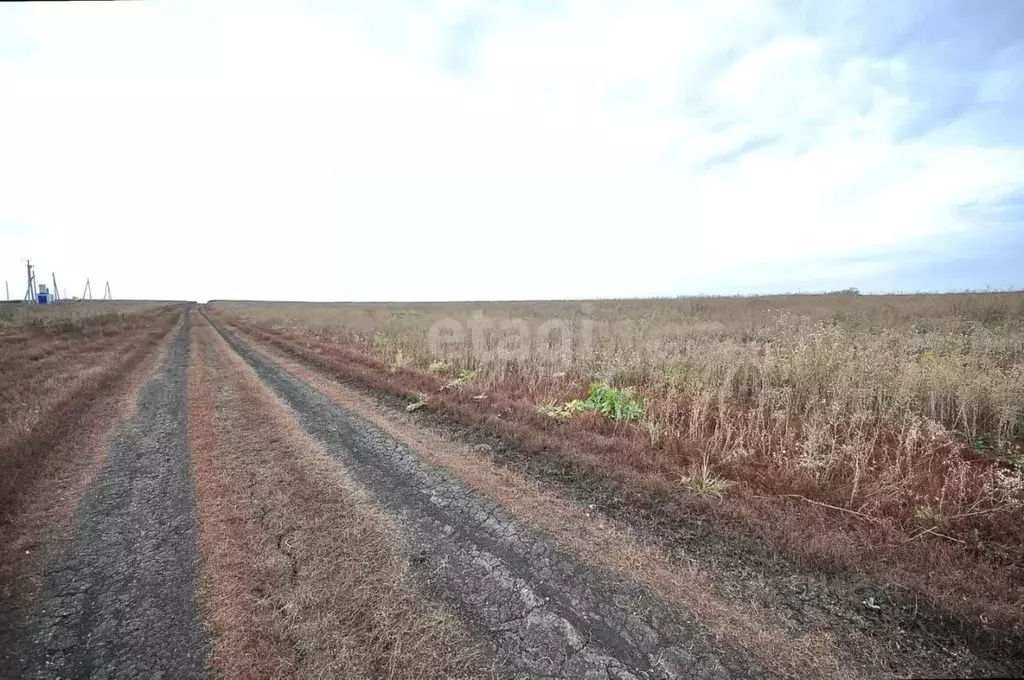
{"x": 853, "y": 429}
{"x": 51, "y": 372}
{"x": 77, "y": 316}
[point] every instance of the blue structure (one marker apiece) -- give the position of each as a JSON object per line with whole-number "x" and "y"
{"x": 43, "y": 298}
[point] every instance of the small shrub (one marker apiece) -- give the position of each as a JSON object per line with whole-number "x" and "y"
{"x": 928, "y": 514}
{"x": 981, "y": 444}
{"x": 439, "y": 366}
{"x": 463, "y": 378}
{"x": 420, "y": 402}
{"x": 401, "y": 361}
{"x": 615, "y": 403}
{"x": 656, "y": 431}
{"x": 561, "y": 411}
{"x": 704, "y": 482}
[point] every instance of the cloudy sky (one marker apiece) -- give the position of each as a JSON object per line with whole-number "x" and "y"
{"x": 534, "y": 149}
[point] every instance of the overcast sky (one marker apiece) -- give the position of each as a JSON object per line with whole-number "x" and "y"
{"x": 471, "y": 150}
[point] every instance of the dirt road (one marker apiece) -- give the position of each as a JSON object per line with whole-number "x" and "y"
{"x": 256, "y": 518}
{"x": 544, "y": 611}
{"x": 121, "y": 601}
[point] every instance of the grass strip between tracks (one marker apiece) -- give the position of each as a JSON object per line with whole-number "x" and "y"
{"x": 302, "y": 575}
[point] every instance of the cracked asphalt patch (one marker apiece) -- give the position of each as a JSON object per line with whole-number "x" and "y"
{"x": 121, "y": 601}
{"x": 545, "y": 612}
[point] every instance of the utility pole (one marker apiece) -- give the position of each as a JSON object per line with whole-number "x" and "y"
{"x": 56, "y": 290}
{"x": 30, "y": 292}
{"x": 87, "y": 291}
{"x": 8, "y": 289}
{"x": 107, "y": 295}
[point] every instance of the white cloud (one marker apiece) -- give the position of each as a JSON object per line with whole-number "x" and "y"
{"x": 294, "y": 151}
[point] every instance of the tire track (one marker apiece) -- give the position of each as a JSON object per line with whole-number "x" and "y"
{"x": 546, "y": 613}
{"x": 303, "y": 576}
{"x": 121, "y": 601}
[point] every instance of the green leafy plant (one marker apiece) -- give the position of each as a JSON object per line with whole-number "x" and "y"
{"x": 981, "y": 444}
{"x": 613, "y": 402}
{"x": 561, "y": 411}
{"x": 617, "y": 404}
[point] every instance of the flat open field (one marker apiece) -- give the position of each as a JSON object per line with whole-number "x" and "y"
{"x": 71, "y": 315}
{"x": 806, "y": 486}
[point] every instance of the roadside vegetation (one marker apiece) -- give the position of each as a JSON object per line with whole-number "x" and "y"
{"x": 51, "y": 368}
{"x": 60, "y": 393}
{"x": 76, "y": 316}
{"x": 879, "y": 433}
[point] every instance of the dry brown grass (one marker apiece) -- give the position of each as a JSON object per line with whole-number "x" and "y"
{"x": 880, "y": 485}
{"x": 76, "y": 316}
{"x": 47, "y": 383}
{"x": 952, "y": 359}
{"x": 302, "y": 576}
